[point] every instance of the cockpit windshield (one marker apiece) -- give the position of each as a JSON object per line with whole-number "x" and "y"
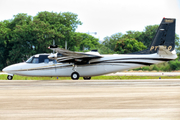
{"x": 40, "y": 59}
{"x": 29, "y": 60}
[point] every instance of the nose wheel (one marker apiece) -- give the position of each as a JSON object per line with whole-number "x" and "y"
{"x": 75, "y": 76}
{"x": 9, "y": 77}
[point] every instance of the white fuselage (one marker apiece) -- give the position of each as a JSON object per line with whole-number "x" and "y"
{"x": 106, "y": 64}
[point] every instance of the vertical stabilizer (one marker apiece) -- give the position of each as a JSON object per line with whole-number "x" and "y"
{"x": 165, "y": 36}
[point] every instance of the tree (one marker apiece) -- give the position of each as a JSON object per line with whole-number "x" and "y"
{"x": 132, "y": 34}
{"x": 63, "y": 26}
{"x": 4, "y": 40}
{"x": 25, "y": 35}
{"x": 110, "y": 42}
{"x": 128, "y": 45}
{"x": 105, "y": 50}
{"x": 148, "y": 34}
{"x": 177, "y": 40}
{"x": 83, "y": 41}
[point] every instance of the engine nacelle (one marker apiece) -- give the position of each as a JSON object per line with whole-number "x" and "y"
{"x": 52, "y": 56}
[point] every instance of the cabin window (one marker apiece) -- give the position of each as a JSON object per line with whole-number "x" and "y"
{"x": 46, "y": 61}
{"x": 54, "y": 61}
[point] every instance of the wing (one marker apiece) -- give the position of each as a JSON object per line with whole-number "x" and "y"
{"x": 64, "y": 55}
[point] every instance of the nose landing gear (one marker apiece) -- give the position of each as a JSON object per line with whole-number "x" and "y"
{"x": 9, "y": 77}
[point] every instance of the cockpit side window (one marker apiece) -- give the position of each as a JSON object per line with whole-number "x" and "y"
{"x": 35, "y": 60}
{"x": 40, "y": 59}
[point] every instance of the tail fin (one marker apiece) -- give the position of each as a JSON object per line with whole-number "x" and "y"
{"x": 165, "y": 36}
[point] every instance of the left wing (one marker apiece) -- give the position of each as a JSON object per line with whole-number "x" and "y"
{"x": 64, "y": 55}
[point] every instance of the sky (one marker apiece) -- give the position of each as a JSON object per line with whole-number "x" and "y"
{"x": 106, "y": 17}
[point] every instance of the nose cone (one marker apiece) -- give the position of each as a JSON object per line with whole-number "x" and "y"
{"x": 12, "y": 68}
{"x": 7, "y": 69}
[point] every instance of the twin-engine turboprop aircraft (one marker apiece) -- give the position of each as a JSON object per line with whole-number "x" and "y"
{"x": 76, "y": 64}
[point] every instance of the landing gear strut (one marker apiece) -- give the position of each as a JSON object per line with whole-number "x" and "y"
{"x": 75, "y": 76}
{"x": 9, "y": 77}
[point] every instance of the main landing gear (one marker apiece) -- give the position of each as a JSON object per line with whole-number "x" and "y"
{"x": 75, "y": 76}
{"x": 9, "y": 77}
{"x": 86, "y": 78}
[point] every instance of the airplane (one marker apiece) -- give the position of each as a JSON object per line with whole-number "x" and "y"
{"x": 65, "y": 63}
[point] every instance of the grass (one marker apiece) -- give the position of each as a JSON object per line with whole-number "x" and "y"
{"x": 16, "y": 77}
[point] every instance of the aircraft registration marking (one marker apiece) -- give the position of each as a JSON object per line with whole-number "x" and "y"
{"x": 155, "y": 47}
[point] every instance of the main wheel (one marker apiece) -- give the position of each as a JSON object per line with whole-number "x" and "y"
{"x": 9, "y": 77}
{"x": 86, "y": 78}
{"x": 75, "y": 76}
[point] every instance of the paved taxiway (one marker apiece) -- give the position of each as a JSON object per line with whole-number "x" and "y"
{"x": 94, "y": 99}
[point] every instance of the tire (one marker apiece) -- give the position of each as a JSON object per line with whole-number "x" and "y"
{"x": 9, "y": 77}
{"x": 75, "y": 76}
{"x": 86, "y": 78}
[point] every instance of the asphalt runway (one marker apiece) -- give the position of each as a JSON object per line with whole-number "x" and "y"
{"x": 90, "y": 100}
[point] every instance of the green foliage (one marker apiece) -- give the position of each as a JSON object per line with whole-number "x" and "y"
{"x": 110, "y": 42}
{"x": 133, "y": 34}
{"x": 166, "y": 66}
{"x": 174, "y": 65}
{"x": 5, "y": 36}
{"x": 146, "y": 68}
{"x": 128, "y": 45}
{"x": 177, "y": 43}
{"x": 148, "y": 34}
{"x": 83, "y": 41}
{"x": 24, "y": 36}
{"x": 105, "y": 50}
{"x": 155, "y": 68}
